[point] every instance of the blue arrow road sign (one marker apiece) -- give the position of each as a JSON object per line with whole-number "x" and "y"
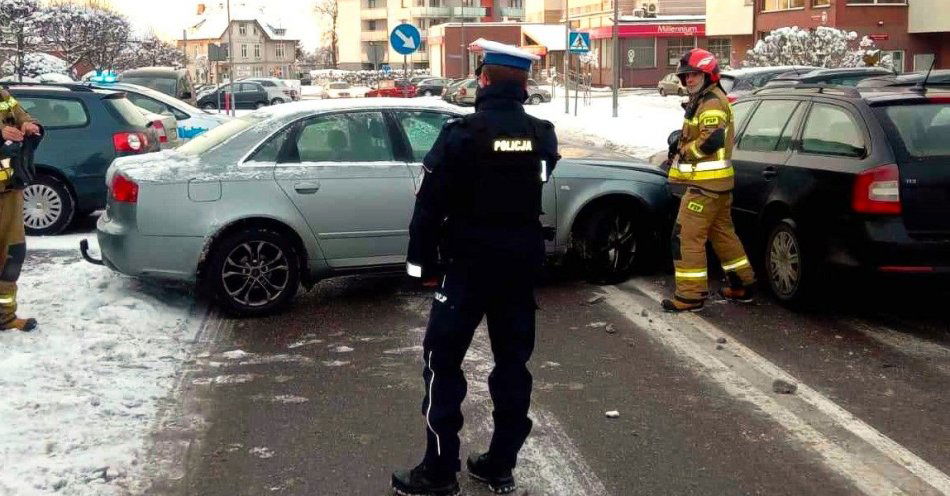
{"x": 405, "y": 39}
{"x": 579, "y": 42}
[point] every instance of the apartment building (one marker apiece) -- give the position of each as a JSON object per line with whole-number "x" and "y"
{"x": 913, "y": 32}
{"x": 729, "y": 30}
{"x": 364, "y": 26}
{"x": 262, "y": 47}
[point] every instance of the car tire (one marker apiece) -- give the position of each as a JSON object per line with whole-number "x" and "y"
{"x": 789, "y": 266}
{"x": 232, "y": 265}
{"x": 609, "y": 244}
{"x": 276, "y": 101}
{"x": 662, "y": 92}
{"x": 260, "y": 105}
{"x": 536, "y": 100}
{"x": 48, "y": 206}
{"x": 209, "y": 106}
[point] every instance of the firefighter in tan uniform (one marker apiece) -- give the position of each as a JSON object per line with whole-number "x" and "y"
{"x": 700, "y": 163}
{"x": 20, "y": 136}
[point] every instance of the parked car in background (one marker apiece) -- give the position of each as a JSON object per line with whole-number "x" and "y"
{"x": 415, "y": 80}
{"x": 939, "y": 77}
{"x": 399, "y": 88}
{"x": 168, "y": 80}
{"x": 465, "y": 92}
{"x": 432, "y": 86}
{"x": 191, "y": 121}
{"x": 448, "y": 94}
{"x": 848, "y": 76}
{"x": 537, "y": 94}
{"x": 338, "y": 89}
{"x": 290, "y": 200}
{"x": 739, "y": 82}
{"x": 671, "y": 85}
{"x": 246, "y": 95}
{"x": 86, "y": 128}
{"x": 277, "y": 90}
{"x": 833, "y": 177}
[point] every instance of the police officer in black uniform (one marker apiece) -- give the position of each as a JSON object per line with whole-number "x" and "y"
{"x": 476, "y": 232}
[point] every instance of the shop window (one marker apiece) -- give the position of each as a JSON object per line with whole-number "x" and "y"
{"x": 676, "y": 47}
{"x": 722, "y": 49}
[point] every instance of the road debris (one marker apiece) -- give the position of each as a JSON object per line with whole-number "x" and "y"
{"x": 613, "y": 414}
{"x": 783, "y": 387}
{"x": 721, "y": 341}
{"x": 611, "y": 329}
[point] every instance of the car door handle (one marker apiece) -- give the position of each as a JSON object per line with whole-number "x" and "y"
{"x": 769, "y": 173}
{"x": 307, "y": 187}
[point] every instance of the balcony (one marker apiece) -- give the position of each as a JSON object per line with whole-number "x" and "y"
{"x": 511, "y": 12}
{"x": 469, "y": 12}
{"x": 373, "y": 14}
{"x": 430, "y": 12}
{"x": 374, "y": 36}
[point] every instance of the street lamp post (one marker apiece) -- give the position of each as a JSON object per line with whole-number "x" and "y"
{"x": 567, "y": 54}
{"x": 616, "y": 61}
{"x": 231, "y": 59}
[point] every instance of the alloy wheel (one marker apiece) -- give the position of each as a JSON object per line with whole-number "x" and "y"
{"x": 785, "y": 268}
{"x": 42, "y": 206}
{"x": 256, "y": 273}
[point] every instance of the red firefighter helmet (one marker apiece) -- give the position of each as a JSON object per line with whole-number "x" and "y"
{"x": 698, "y": 60}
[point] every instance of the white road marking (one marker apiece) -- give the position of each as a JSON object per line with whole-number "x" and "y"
{"x": 847, "y": 462}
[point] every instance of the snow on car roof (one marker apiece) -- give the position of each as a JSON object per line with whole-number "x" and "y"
{"x": 757, "y": 70}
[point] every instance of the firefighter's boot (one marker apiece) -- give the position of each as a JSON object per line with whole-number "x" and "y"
{"x": 24, "y": 325}
{"x": 675, "y": 305}
{"x": 741, "y": 294}
{"x": 425, "y": 481}
{"x": 498, "y": 479}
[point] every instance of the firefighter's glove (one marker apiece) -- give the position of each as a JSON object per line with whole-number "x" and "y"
{"x": 673, "y": 141}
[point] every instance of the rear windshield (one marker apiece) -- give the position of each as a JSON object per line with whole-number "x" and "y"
{"x": 126, "y": 111}
{"x": 923, "y": 129}
{"x": 166, "y": 86}
{"x": 210, "y": 139}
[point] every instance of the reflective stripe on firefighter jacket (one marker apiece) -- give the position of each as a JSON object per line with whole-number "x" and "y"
{"x": 705, "y": 148}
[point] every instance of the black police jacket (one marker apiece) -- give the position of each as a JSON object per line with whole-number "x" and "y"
{"x": 480, "y": 198}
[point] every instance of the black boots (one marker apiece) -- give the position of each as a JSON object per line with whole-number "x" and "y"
{"x": 499, "y": 480}
{"x": 425, "y": 481}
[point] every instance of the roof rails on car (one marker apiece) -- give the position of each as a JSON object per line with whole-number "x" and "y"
{"x": 73, "y": 86}
{"x": 821, "y": 87}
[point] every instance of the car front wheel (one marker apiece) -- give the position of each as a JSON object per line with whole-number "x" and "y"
{"x": 260, "y": 105}
{"x": 253, "y": 273}
{"x": 276, "y": 101}
{"x": 609, "y": 245}
{"x": 536, "y": 100}
{"x": 48, "y": 206}
{"x": 209, "y": 106}
{"x": 662, "y": 92}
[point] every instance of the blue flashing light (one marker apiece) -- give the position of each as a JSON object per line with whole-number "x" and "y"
{"x": 104, "y": 77}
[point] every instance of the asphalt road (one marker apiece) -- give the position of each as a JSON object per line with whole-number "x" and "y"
{"x": 325, "y": 399}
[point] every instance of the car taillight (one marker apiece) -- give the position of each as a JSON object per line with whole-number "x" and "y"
{"x": 130, "y": 142}
{"x": 877, "y": 191}
{"x": 160, "y": 129}
{"x": 124, "y": 189}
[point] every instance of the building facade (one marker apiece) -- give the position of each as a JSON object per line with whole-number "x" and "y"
{"x": 364, "y": 26}
{"x": 261, "y": 47}
{"x": 729, "y": 30}
{"x": 913, "y": 32}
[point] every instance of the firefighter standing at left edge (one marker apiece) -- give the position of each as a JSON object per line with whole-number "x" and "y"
{"x": 20, "y": 136}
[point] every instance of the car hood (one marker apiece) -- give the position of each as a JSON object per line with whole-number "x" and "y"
{"x": 610, "y": 169}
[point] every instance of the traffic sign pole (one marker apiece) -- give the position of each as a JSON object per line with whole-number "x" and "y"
{"x": 616, "y": 61}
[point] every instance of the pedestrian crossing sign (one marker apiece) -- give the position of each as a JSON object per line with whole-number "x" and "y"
{"x": 579, "y": 42}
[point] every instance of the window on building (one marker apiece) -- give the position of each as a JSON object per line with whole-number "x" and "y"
{"x": 257, "y": 51}
{"x": 242, "y": 29}
{"x": 420, "y": 3}
{"x": 371, "y": 25}
{"x": 639, "y": 53}
{"x": 876, "y": 2}
{"x": 722, "y": 49}
{"x": 897, "y": 57}
{"x": 258, "y": 71}
{"x": 244, "y": 51}
{"x": 370, "y": 4}
{"x": 280, "y": 50}
{"x": 782, "y": 4}
{"x": 820, "y": 3}
{"x": 676, "y": 47}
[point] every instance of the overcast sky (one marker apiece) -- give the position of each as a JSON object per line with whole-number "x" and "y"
{"x": 168, "y": 17}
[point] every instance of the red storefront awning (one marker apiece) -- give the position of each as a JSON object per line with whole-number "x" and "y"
{"x": 650, "y": 31}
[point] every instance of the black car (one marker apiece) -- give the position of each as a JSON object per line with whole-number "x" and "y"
{"x": 739, "y": 82}
{"x": 937, "y": 77}
{"x": 834, "y": 177}
{"x": 85, "y": 129}
{"x": 247, "y": 95}
{"x": 848, "y": 76}
{"x": 432, "y": 87}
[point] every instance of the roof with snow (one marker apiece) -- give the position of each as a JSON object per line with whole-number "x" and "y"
{"x": 213, "y": 24}
{"x": 550, "y": 35}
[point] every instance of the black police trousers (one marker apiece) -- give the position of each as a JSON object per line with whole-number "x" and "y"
{"x": 504, "y": 293}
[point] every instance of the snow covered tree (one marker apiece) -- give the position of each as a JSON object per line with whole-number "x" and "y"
{"x": 109, "y": 35}
{"x": 66, "y": 28}
{"x": 18, "y": 31}
{"x": 150, "y": 51}
{"x": 822, "y": 47}
{"x": 35, "y": 64}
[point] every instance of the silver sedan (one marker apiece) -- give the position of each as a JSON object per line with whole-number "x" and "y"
{"x": 289, "y": 195}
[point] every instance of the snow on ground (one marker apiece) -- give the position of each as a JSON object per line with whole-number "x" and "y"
{"x": 81, "y": 393}
{"x": 641, "y": 129}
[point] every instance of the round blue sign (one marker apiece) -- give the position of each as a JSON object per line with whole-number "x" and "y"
{"x": 405, "y": 39}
